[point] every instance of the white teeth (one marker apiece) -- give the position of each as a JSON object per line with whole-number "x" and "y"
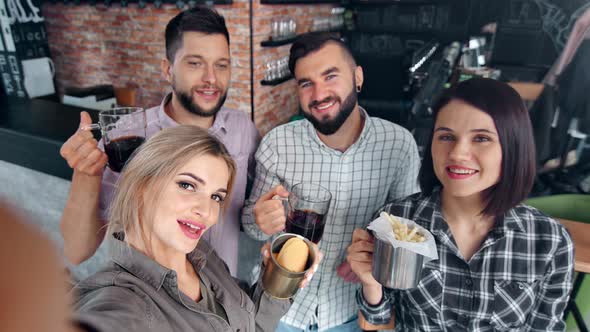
{"x": 325, "y": 106}
{"x": 209, "y": 93}
{"x": 191, "y": 226}
{"x": 461, "y": 171}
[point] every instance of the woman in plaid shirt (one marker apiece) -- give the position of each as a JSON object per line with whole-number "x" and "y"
{"x": 502, "y": 265}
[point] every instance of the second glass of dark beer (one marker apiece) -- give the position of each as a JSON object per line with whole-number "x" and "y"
{"x": 123, "y": 131}
{"x": 308, "y": 206}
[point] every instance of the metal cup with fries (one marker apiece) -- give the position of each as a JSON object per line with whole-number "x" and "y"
{"x": 401, "y": 249}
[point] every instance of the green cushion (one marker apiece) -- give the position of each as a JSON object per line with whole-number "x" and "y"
{"x": 570, "y": 206}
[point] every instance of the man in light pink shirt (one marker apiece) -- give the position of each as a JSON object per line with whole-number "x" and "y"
{"x": 198, "y": 67}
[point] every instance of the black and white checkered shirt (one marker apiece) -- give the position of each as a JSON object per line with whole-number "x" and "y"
{"x": 519, "y": 280}
{"x": 381, "y": 165}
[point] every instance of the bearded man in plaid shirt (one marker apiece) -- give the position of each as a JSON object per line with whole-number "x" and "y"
{"x": 362, "y": 161}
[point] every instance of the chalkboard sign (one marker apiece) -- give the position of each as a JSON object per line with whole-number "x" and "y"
{"x": 23, "y": 37}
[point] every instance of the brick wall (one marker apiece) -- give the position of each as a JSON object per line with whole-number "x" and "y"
{"x": 276, "y": 104}
{"x": 123, "y": 46}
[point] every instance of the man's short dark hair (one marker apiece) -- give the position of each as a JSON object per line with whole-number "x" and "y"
{"x": 196, "y": 19}
{"x": 513, "y": 124}
{"x": 312, "y": 42}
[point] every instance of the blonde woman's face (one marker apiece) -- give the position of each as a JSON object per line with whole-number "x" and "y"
{"x": 189, "y": 204}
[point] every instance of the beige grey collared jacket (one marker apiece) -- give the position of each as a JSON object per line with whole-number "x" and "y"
{"x": 134, "y": 293}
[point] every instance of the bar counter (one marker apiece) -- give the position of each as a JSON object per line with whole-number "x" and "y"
{"x": 33, "y": 131}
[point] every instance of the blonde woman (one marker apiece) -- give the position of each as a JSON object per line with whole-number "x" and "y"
{"x": 162, "y": 277}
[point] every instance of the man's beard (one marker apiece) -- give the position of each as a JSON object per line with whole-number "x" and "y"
{"x": 187, "y": 102}
{"x": 329, "y": 127}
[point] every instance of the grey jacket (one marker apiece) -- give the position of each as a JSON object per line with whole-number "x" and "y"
{"x": 134, "y": 293}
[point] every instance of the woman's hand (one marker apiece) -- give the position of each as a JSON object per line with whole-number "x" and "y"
{"x": 360, "y": 256}
{"x": 309, "y": 274}
{"x": 316, "y": 263}
{"x": 265, "y": 250}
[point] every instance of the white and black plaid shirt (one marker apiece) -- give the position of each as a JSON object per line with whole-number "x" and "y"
{"x": 519, "y": 280}
{"x": 381, "y": 165}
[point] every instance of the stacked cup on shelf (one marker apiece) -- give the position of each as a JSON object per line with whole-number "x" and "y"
{"x": 277, "y": 69}
{"x": 332, "y": 23}
{"x": 283, "y": 28}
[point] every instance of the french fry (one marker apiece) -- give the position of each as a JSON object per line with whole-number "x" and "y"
{"x": 401, "y": 231}
{"x": 404, "y": 228}
{"x": 412, "y": 233}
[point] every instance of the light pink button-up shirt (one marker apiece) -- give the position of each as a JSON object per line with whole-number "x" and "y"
{"x": 239, "y": 135}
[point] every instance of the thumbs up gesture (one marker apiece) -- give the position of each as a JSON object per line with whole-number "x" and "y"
{"x": 81, "y": 150}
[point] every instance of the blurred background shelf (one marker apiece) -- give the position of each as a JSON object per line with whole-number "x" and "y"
{"x": 280, "y": 42}
{"x": 277, "y": 81}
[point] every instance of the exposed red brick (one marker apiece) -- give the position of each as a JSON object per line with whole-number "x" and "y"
{"x": 124, "y": 45}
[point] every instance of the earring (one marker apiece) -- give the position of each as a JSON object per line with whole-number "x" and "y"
{"x": 358, "y": 88}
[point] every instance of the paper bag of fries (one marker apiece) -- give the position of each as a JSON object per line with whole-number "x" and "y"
{"x": 404, "y": 233}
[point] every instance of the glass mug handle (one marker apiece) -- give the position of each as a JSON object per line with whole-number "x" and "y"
{"x": 279, "y": 198}
{"x": 92, "y": 126}
{"x": 284, "y": 200}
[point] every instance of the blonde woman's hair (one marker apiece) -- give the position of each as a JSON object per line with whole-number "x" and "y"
{"x": 152, "y": 166}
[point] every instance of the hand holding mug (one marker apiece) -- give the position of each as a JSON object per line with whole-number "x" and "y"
{"x": 81, "y": 150}
{"x": 123, "y": 130}
{"x": 269, "y": 212}
{"x": 360, "y": 257}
